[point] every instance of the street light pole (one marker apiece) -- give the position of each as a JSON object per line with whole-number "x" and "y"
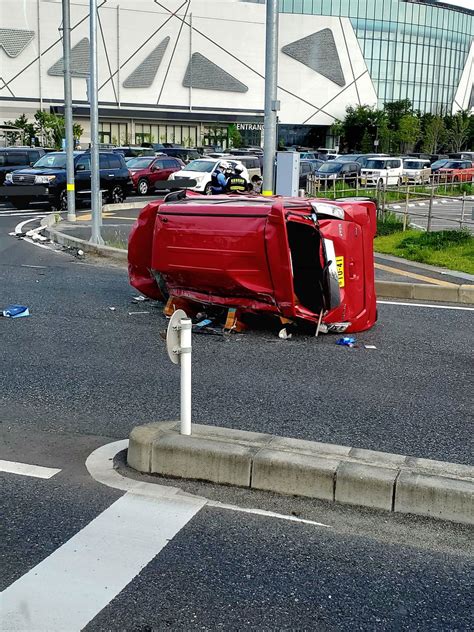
{"x": 271, "y": 104}
{"x": 70, "y": 188}
{"x": 94, "y": 120}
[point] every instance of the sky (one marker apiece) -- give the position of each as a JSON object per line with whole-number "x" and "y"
{"x": 467, "y": 4}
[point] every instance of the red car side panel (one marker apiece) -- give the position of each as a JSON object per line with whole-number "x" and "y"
{"x": 140, "y": 247}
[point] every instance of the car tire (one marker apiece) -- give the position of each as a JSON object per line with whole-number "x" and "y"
{"x": 399, "y": 182}
{"x": 380, "y": 184}
{"x": 208, "y": 189}
{"x": 20, "y": 203}
{"x": 143, "y": 187}
{"x": 60, "y": 203}
{"x": 116, "y": 195}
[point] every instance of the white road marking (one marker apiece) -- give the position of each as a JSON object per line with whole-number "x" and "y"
{"x": 465, "y": 309}
{"x": 72, "y": 585}
{"x": 35, "y": 243}
{"x": 25, "y": 265}
{"x": 265, "y": 514}
{"x": 36, "y": 471}
{"x": 19, "y": 227}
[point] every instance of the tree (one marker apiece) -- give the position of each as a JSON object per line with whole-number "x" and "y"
{"x": 434, "y": 132}
{"x": 366, "y": 143}
{"x": 361, "y": 122}
{"x": 235, "y": 137}
{"x": 395, "y": 111}
{"x": 52, "y": 128}
{"x": 409, "y": 129}
{"x": 27, "y": 133}
{"x": 458, "y": 130}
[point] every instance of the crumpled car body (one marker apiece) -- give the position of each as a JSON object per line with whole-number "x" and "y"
{"x": 300, "y": 259}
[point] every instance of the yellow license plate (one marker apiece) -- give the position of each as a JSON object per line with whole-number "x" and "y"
{"x": 340, "y": 270}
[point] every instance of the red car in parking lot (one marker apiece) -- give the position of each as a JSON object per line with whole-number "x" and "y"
{"x": 299, "y": 259}
{"x": 145, "y": 171}
{"x": 457, "y": 171}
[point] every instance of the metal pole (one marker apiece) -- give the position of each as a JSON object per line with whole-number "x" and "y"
{"x": 185, "y": 363}
{"x": 190, "y": 62}
{"x": 405, "y": 214}
{"x": 94, "y": 117}
{"x": 118, "y": 61}
{"x": 430, "y": 211}
{"x": 40, "y": 65}
{"x": 70, "y": 188}
{"x": 462, "y": 209}
{"x": 271, "y": 103}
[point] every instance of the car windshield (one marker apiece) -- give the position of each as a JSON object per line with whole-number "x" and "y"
{"x": 348, "y": 158}
{"x": 439, "y": 163}
{"x": 55, "y": 161}
{"x": 414, "y": 164}
{"x": 204, "y": 166}
{"x": 375, "y": 164}
{"x": 330, "y": 167}
{"x": 139, "y": 163}
{"x": 452, "y": 164}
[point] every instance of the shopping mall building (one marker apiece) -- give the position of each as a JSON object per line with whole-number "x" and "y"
{"x": 188, "y": 70}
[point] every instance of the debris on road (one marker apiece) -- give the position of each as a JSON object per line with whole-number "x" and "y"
{"x": 370, "y": 347}
{"x": 346, "y": 341}
{"x": 16, "y": 311}
{"x": 139, "y": 299}
{"x": 133, "y": 313}
{"x": 284, "y": 335}
{"x": 112, "y": 309}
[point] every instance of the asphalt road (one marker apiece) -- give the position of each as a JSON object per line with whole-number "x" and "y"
{"x": 81, "y": 555}
{"x": 446, "y": 213}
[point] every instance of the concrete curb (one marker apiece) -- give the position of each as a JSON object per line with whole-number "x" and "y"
{"x": 392, "y": 482}
{"x": 425, "y": 291}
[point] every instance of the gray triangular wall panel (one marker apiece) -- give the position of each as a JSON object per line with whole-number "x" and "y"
{"x": 79, "y": 61}
{"x": 471, "y": 98}
{"x": 318, "y": 51}
{"x": 204, "y": 74}
{"x": 144, "y": 74}
{"x": 14, "y": 41}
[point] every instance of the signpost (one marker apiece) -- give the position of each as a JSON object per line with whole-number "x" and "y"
{"x": 178, "y": 345}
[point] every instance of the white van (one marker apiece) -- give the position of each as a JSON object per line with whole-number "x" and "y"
{"x": 416, "y": 171}
{"x": 379, "y": 172}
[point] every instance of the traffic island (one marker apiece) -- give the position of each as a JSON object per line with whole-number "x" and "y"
{"x": 392, "y": 482}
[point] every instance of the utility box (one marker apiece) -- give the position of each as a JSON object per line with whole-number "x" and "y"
{"x": 287, "y": 173}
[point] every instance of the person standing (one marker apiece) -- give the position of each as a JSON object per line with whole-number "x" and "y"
{"x": 218, "y": 179}
{"x": 236, "y": 183}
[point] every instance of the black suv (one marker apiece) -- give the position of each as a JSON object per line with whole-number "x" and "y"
{"x": 49, "y": 174}
{"x": 18, "y": 157}
{"x": 183, "y": 153}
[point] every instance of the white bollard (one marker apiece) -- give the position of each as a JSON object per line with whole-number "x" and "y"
{"x": 185, "y": 362}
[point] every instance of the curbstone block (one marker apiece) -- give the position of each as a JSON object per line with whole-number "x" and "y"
{"x": 466, "y": 294}
{"x": 435, "y": 496}
{"x": 394, "y": 289}
{"x": 140, "y": 444}
{"x": 425, "y": 292}
{"x": 372, "y": 457}
{"x": 315, "y": 448}
{"x": 202, "y": 459}
{"x": 296, "y": 474}
{"x": 366, "y": 485}
{"x": 440, "y": 468}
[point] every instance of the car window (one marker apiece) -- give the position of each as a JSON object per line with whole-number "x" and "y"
{"x": 103, "y": 161}
{"x": 170, "y": 164}
{"x": 305, "y": 168}
{"x": 55, "y": 161}
{"x": 33, "y": 156}
{"x": 204, "y": 166}
{"x": 376, "y": 164}
{"x": 84, "y": 163}
{"x": 17, "y": 159}
{"x": 114, "y": 162}
{"x": 160, "y": 164}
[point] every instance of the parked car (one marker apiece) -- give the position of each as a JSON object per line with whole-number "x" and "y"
{"x": 201, "y": 171}
{"x": 333, "y": 170}
{"x": 49, "y": 175}
{"x": 378, "y": 172}
{"x": 350, "y": 157}
{"x": 416, "y": 171}
{"x": 253, "y": 164}
{"x": 146, "y": 171}
{"x": 17, "y": 157}
{"x": 261, "y": 255}
{"x": 457, "y": 171}
{"x": 363, "y": 158}
{"x": 132, "y": 151}
{"x": 308, "y": 155}
{"x": 438, "y": 164}
{"x": 157, "y": 147}
{"x": 308, "y": 167}
{"x": 186, "y": 154}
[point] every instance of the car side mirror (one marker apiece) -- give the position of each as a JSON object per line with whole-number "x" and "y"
{"x": 81, "y": 168}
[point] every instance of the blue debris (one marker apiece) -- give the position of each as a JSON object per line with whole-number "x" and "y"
{"x": 346, "y": 341}
{"x": 16, "y": 311}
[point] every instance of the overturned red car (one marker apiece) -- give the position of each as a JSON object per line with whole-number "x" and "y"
{"x": 300, "y": 259}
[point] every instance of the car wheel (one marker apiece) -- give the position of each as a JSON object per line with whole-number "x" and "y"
{"x": 116, "y": 195}
{"x": 142, "y": 187}
{"x": 208, "y": 189}
{"x": 20, "y": 203}
{"x": 399, "y": 182}
{"x": 60, "y": 204}
{"x": 380, "y": 184}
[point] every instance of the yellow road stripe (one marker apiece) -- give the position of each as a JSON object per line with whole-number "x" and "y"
{"x": 413, "y": 275}
{"x": 87, "y": 217}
